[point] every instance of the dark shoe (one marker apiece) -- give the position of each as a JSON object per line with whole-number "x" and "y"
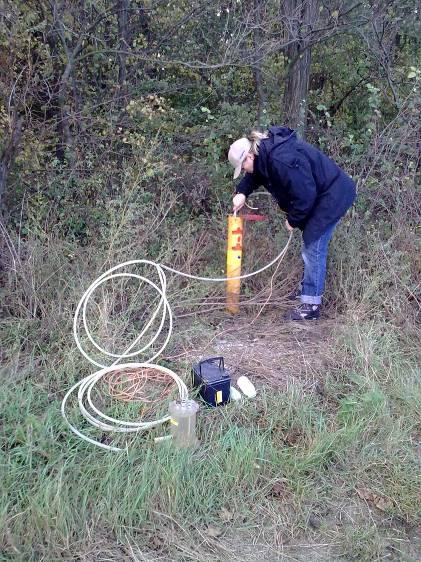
{"x": 304, "y": 312}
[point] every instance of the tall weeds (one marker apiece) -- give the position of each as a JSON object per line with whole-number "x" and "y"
{"x": 291, "y": 460}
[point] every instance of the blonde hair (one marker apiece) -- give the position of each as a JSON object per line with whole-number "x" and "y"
{"x": 255, "y": 137}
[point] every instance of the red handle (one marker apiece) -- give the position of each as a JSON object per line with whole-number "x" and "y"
{"x": 251, "y": 217}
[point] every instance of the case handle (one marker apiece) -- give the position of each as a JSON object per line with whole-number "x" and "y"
{"x": 212, "y": 360}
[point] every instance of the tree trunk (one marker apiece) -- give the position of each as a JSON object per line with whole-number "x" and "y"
{"x": 65, "y": 149}
{"x": 257, "y": 36}
{"x": 8, "y": 154}
{"x": 300, "y": 16}
{"x": 123, "y": 6}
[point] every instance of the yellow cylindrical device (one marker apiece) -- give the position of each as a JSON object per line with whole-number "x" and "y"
{"x": 234, "y": 255}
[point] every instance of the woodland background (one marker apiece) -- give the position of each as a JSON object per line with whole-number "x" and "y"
{"x": 115, "y": 122}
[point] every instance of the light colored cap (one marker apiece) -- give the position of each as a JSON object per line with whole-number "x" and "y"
{"x": 237, "y": 154}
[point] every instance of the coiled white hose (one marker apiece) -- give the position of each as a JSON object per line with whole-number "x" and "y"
{"x": 84, "y": 395}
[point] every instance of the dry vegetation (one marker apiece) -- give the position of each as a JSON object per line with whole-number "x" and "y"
{"x": 110, "y": 155}
{"x": 322, "y": 463}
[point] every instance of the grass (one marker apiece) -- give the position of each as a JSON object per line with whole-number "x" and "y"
{"x": 327, "y": 472}
{"x": 281, "y": 459}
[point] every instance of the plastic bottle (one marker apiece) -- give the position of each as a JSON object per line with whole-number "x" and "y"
{"x": 183, "y": 422}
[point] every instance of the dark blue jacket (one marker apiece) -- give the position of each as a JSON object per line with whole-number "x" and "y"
{"x": 309, "y": 186}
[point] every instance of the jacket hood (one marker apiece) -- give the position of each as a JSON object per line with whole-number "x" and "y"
{"x": 281, "y": 134}
{"x": 277, "y": 136}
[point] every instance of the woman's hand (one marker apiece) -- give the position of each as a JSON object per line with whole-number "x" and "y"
{"x": 238, "y": 202}
{"x": 288, "y": 226}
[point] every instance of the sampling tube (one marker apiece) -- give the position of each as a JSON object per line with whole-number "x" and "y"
{"x": 234, "y": 255}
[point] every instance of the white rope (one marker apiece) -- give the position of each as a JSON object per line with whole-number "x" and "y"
{"x": 84, "y": 387}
